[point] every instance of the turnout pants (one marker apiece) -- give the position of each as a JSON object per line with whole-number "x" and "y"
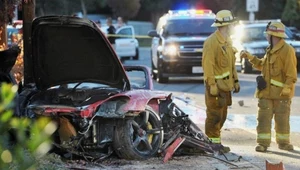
{"x": 280, "y": 109}
{"x": 216, "y": 113}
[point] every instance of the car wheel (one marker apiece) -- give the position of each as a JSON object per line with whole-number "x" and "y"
{"x": 246, "y": 67}
{"x": 140, "y": 137}
{"x": 160, "y": 77}
{"x": 136, "y": 57}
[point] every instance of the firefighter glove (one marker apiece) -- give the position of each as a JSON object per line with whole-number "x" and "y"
{"x": 285, "y": 91}
{"x": 246, "y": 54}
{"x": 214, "y": 90}
{"x": 236, "y": 87}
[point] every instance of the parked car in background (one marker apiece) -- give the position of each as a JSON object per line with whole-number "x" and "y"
{"x": 250, "y": 37}
{"x": 295, "y": 31}
{"x": 177, "y": 43}
{"x": 126, "y": 45}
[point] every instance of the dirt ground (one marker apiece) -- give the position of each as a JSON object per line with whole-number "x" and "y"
{"x": 242, "y": 156}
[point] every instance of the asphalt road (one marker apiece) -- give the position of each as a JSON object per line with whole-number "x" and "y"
{"x": 239, "y": 130}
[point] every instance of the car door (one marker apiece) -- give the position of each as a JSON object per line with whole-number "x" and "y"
{"x": 154, "y": 52}
{"x": 125, "y": 42}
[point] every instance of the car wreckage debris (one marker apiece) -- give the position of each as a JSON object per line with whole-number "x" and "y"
{"x": 181, "y": 130}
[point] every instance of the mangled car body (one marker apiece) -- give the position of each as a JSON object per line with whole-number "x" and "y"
{"x": 79, "y": 82}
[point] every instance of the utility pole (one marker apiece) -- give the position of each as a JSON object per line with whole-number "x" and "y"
{"x": 28, "y": 13}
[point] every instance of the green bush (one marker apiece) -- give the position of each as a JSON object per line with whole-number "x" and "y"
{"x": 30, "y": 140}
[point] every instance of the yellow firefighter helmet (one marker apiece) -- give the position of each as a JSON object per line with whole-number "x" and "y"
{"x": 223, "y": 18}
{"x": 276, "y": 29}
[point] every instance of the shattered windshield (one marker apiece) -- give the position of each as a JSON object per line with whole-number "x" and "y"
{"x": 186, "y": 27}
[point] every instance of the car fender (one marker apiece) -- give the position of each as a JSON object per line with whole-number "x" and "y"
{"x": 127, "y": 103}
{"x": 140, "y": 98}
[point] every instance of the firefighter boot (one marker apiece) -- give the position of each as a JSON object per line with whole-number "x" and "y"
{"x": 220, "y": 147}
{"x": 225, "y": 149}
{"x": 261, "y": 148}
{"x": 287, "y": 147}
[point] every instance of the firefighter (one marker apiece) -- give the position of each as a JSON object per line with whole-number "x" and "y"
{"x": 275, "y": 87}
{"x": 220, "y": 75}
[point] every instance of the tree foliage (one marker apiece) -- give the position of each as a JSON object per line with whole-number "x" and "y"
{"x": 124, "y": 8}
{"x": 95, "y": 5}
{"x": 270, "y": 9}
{"x": 58, "y": 7}
{"x": 217, "y": 5}
{"x": 7, "y": 8}
{"x": 155, "y": 8}
{"x": 291, "y": 12}
{"x": 156, "y": 5}
{"x": 25, "y": 150}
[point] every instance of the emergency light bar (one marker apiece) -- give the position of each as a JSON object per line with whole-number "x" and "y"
{"x": 191, "y": 12}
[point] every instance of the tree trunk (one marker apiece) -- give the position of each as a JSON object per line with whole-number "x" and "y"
{"x": 28, "y": 15}
{"x": 155, "y": 16}
{"x": 3, "y": 36}
{"x": 3, "y": 30}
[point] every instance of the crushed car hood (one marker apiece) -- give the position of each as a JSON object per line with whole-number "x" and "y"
{"x": 68, "y": 49}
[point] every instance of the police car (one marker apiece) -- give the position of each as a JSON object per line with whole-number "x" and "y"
{"x": 177, "y": 43}
{"x": 126, "y": 45}
{"x": 250, "y": 36}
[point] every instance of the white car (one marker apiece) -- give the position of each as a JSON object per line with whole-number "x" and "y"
{"x": 126, "y": 45}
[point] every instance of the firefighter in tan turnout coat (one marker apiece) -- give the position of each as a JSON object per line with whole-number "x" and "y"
{"x": 220, "y": 75}
{"x": 275, "y": 87}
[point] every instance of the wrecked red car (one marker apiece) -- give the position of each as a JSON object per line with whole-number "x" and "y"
{"x": 77, "y": 80}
